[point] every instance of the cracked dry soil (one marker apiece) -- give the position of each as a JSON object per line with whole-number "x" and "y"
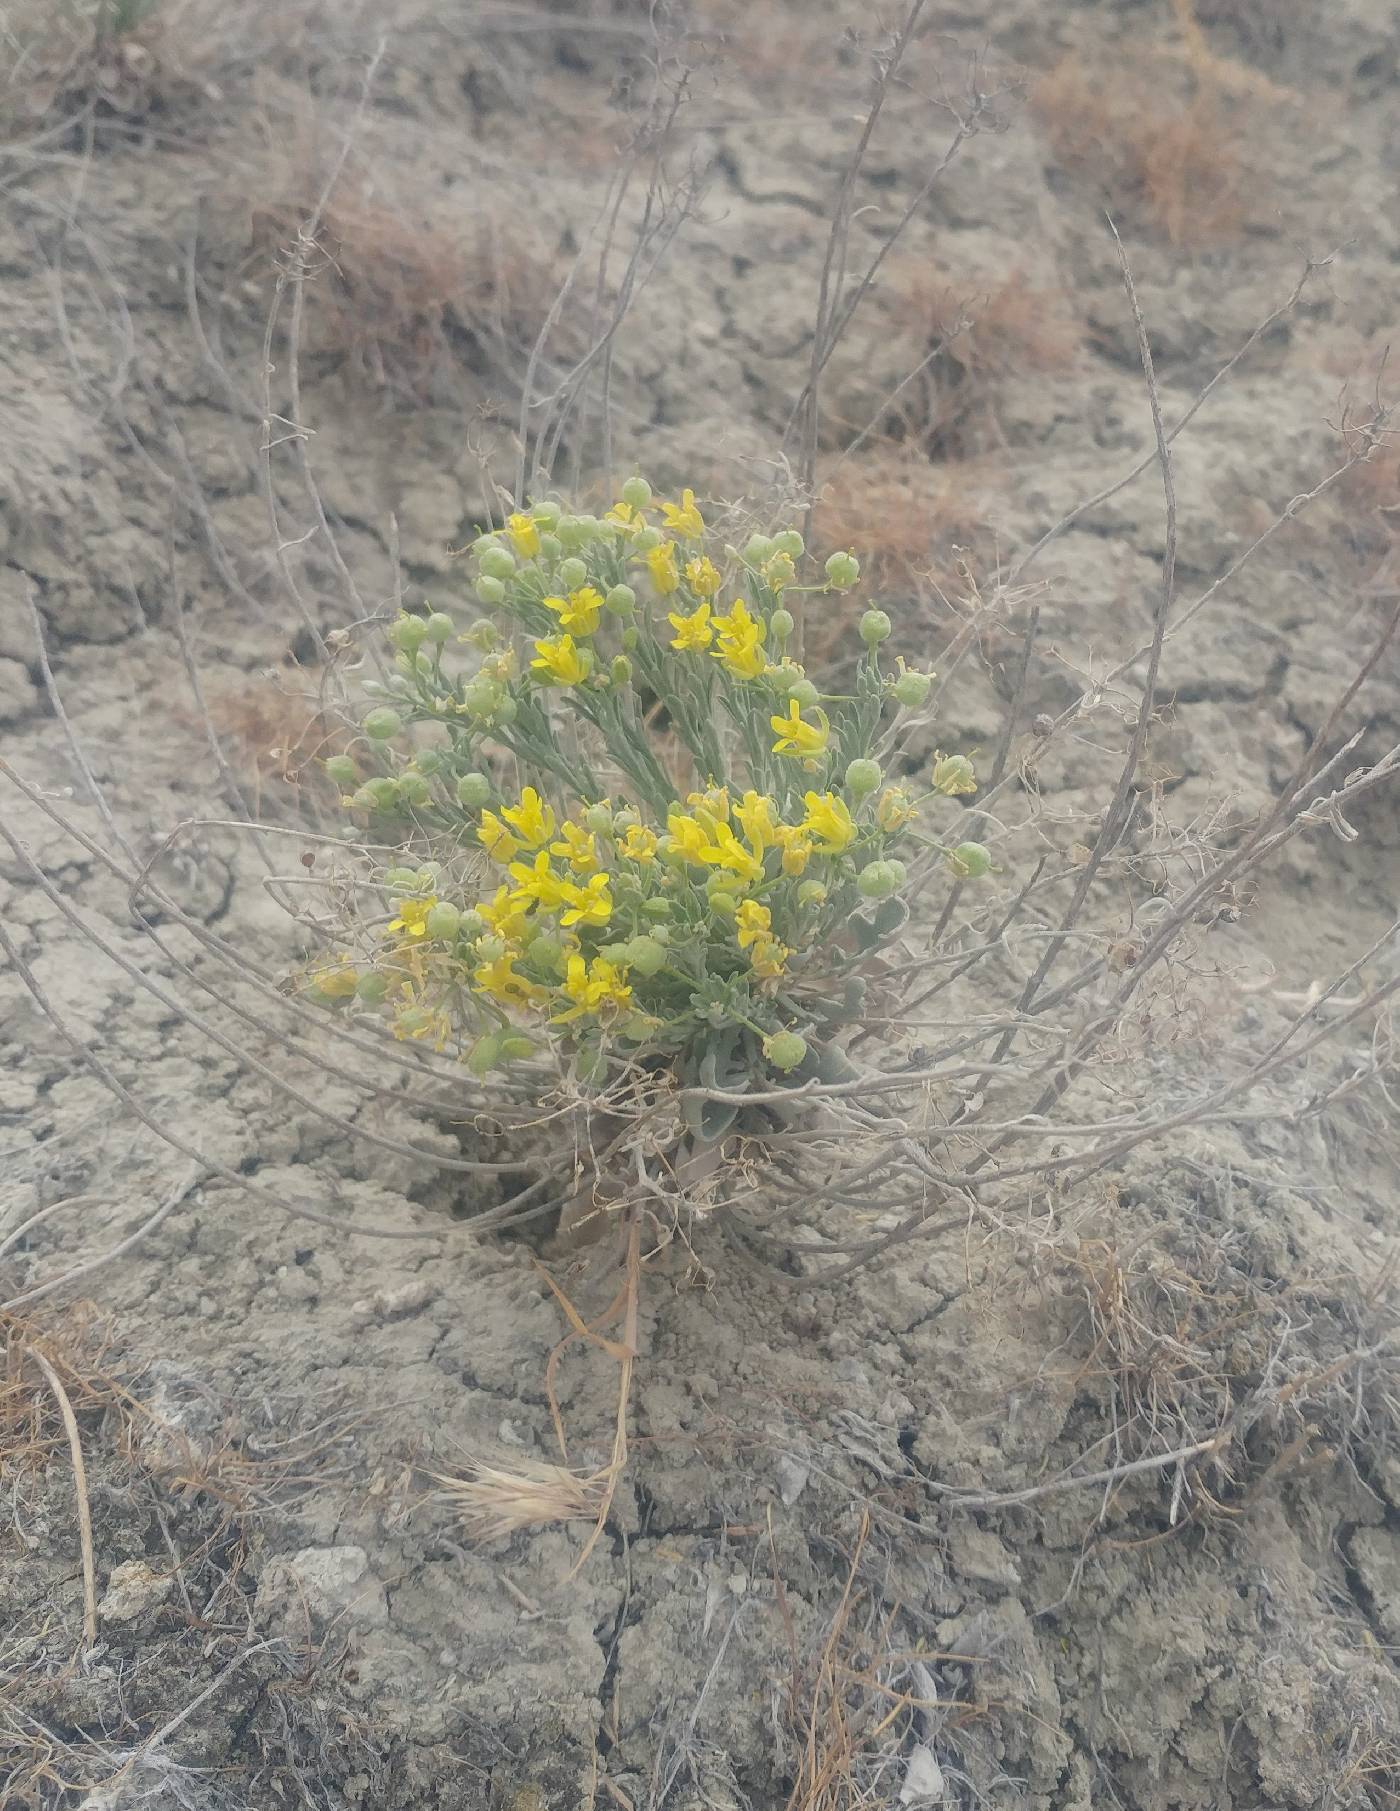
{"x": 259, "y": 1398}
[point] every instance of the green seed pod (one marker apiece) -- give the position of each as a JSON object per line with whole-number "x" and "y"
{"x": 485, "y": 1054}
{"x": 779, "y": 571}
{"x": 898, "y": 871}
{"x": 572, "y": 574}
{"x": 515, "y": 1047}
{"x": 656, "y": 908}
{"x": 862, "y": 778}
{"x": 471, "y": 927}
{"x": 401, "y": 880}
{"x": 491, "y": 948}
{"x": 790, "y": 543}
{"x": 781, "y": 624}
{"x": 647, "y": 538}
{"x": 546, "y": 514}
{"x": 371, "y": 987}
{"x": 547, "y": 952}
{"x": 482, "y": 698}
{"x": 589, "y": 529}
{"x": 874, "y": 628}
{"x": 423, "y": 663}
{"x": 661, "y": 933}
{"x": 484, "y": 542}
{"x": 646, "y": 955}
{"x": 722, "y": 904}
{"x": 599, "y": 819}
{"x": 431, "y": 761}
{"x": 878, "y": 880}
{"x": 377, "y": 795}
{"x": 474, "y": 790}
{"x": 621, "y": 670}
{"x": 636, "y": 493}
{"x": 954, "y": 775}
{"x": 407, "y": 665}
{"x": 382, "y": 724}
{"x": 444, "y": 921}
{"x": 811, "y": 893}
{"x": 630, "y": 639}
{"x": 440, "y": 626}
{"x": 407, "y": 633}
{"x": 507, "y": 710}
{"x": 970, "y": 861}
{"x": 615, "y": 953}
{"x": 785, "y": 1049}
{"x": 414, "y": 789}
{"x": 804, "y": 692}
{"x": 842, "y": 570}
{"x": 341, "y": 770}
{"x": 491, "y": 591}
{"x": 758, "y": 549}
{"x": 620, "y": 601}
{"x": 496, "y": 563}
{"x": 911, "y": 689}
{"x": 551, "y": 549}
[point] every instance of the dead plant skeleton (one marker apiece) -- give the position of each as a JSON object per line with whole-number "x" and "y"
{"x": 1052, "y": 1024}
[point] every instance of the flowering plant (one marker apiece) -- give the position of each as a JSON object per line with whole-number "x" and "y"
{"x": 697, "y": 852}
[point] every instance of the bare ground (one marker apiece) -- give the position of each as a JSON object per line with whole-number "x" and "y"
{"x": 871, "y": 1504}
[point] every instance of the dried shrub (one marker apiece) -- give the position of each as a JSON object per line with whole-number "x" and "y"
{"x": 1180, "y": 167}
{"x": 915, "y": 522}
{"x": 399, "y": 292}
{"x": 277, "y": 739}
{"x": 964, "y": 348}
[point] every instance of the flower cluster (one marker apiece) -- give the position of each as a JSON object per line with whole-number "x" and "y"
{"x": 699, "y": 847}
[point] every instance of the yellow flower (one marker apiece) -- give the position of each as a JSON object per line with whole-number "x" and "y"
{"x": 538, "y": 883}
{"x": 499, "y": 979}
{"x": 532, "y": 820}
{"x": 894, "y": 808}
{"x": 338, "y": 980}
{"x": 507, "y": 919}
{"x": 579, "y": 612}
{"x": 495, "y": 839}
{"x": 798, "y": 738}
{"x": 726, "y": 851}
{"x": 578, "y": 848}
{"x": 754, "y": 921}
{"x": 626, "y": 517}
{"x": 638, "y": 845}
{"x": 741, "y": 643}
{"x": 524, "y": 532}
{"x": 796, "y": 845}
{"x": 757, "y": 815}
{"x": 592, "y": 987}
{"x": 684, "y": 517}
{"x": 412, "y": 919}
{"x": 769, "y": 957}
{"x": 591, "y": 904}
{"x": 687, "y": 837}
{"x": 829, "y": 822}
{"x": 661, "y": 564}
{"x": 561, "y": 661}
{"x": 702, "y": 576}
{"x": 693, "y": 632}
{"x": 423, "y": 1023}
{"x": 710, "y": 807}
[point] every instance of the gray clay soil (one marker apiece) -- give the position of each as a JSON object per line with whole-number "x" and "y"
{"x": 260, "y": 1400}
